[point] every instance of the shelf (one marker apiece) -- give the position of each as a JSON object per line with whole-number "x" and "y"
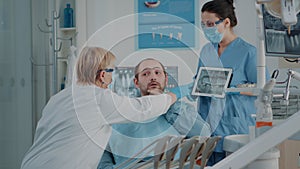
{"x": 62, "y": 59}
{"x": 68, "y": 29}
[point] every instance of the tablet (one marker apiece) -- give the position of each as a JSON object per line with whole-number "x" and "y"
{"x": 212, "y": 82}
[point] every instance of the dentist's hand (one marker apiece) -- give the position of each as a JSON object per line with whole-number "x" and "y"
{"x": 174, "y": 98}
{"x": 155, "y": 91}
{"x": 159, "y": 91}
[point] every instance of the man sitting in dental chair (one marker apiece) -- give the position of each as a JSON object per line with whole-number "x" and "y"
{"x": 181, "y": 119}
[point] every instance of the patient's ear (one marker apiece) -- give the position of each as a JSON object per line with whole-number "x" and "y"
{"x": 136, "y": 82}
{"x": 166, "y": 79}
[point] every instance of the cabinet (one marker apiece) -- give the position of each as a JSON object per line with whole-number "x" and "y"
{"x": 289, "y": 154}
{"x": 15, "y": 82}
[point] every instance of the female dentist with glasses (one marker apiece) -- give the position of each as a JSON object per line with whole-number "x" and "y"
{"x": 76, "y": 123}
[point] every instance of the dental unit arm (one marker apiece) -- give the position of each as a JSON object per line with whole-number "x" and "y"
{"x": 286, "y": 94}
{"x": 264, "y": 115}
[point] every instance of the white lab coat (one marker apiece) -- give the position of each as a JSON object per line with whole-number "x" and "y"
{"x": 76, "y": 125}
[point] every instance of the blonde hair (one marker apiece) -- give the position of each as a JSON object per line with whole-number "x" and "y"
{"x": 91, "y": 60}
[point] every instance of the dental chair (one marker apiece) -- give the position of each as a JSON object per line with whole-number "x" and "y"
{"x": 172, "y": 152}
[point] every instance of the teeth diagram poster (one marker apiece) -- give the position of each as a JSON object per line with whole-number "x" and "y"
{"x": 166, "y": 23}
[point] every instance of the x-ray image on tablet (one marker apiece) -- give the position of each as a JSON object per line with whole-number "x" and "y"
{"x": 212, "y": 82}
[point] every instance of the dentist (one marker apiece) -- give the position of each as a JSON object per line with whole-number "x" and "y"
{"x": 76, "y": 123}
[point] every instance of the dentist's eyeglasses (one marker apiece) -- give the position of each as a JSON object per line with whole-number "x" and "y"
{"x": 209, "y": 24}
{"x": 106, "y": 70}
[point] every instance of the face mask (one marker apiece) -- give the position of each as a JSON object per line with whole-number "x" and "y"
{"x": 213, "y": 35}
{"x": 111, "y": 85}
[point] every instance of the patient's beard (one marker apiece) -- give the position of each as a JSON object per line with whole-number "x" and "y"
{"x": 159, "y": 90}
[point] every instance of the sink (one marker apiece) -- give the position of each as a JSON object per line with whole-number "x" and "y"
{"x": 268, "y": 159}
{"x": 234, "y": 142}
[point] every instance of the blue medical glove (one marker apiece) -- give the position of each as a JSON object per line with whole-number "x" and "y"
{"x": 188, "y": 94}
{"x": 176, "y": 91}
{"x": 191, "y": 98}
{"x": 233, "y": 93}
{"x": 182, "y": 91}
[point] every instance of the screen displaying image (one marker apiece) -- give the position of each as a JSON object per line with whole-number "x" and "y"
{"x": 212, "y": 82}
{"x": 278, "y": 41}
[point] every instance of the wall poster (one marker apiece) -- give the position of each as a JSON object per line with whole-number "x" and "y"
{"x": 166, "y": 23}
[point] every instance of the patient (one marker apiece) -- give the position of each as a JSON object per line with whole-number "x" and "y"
{"x": 181, "y": 119}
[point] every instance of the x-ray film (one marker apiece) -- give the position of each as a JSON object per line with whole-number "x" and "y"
{"x": 212, "y": 82}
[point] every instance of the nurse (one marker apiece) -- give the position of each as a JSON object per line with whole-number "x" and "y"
{"x": 231, "y": 115}
{"x": 76, "y": 123}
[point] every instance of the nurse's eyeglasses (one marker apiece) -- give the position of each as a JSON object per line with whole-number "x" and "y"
{"x": 209, "y": 24}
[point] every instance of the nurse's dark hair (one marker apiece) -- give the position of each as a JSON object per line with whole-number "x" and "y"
{"x": 222, "y": 8}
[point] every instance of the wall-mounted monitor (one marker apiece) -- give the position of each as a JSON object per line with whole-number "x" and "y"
{"x": 278, "y": 42}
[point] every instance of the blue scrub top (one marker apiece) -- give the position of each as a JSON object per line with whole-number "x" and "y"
{"x": 231, "y": 115}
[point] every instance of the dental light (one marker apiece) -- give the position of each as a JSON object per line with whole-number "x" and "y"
{"x": 286, "y": 10}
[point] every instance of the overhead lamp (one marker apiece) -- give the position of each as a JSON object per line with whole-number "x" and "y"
{"x": 286, "y": 10}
